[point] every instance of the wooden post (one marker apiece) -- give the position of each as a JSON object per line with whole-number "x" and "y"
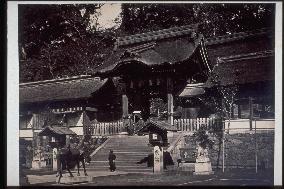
{"x": 170, "y": 109}
{"x": 250, "y": 112}
{"x": 239, "y": 111}
{"x": 223, "y": 146}
{"x": 170, "y": 101}
{"x": 126, "y": 121}
{"x": 255, "y": 146}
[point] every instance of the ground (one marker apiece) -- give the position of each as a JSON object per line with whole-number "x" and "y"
{"x": 233, "y": 177}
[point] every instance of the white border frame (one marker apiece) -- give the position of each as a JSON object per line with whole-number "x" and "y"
{"x": 13, "y": 83}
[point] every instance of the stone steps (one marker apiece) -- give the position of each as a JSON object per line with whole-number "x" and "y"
{"x": 118, "y": 163}
{"x": 128, "y": 151}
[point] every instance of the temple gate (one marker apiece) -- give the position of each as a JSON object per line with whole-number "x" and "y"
{"x": 157, "y": 64}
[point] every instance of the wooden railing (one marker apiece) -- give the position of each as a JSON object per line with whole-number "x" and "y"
{"x": 194, "y": 124}
{"x": 109, "y": 128}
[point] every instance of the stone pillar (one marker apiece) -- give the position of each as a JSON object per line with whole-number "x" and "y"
{"x": 158, "y": 159}
{"x": 54, "y": 159}
{"x": 250, "y": 112}
{"x": 170, "y": 101}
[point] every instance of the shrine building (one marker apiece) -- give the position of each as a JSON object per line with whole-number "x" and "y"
{"x": 175, "y": 65}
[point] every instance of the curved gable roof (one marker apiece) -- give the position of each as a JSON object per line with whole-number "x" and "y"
{"x": 154, "y": 48}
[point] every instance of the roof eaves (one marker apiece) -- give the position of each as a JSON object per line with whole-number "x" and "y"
{"x": 248, "y": 56}
{"x": 37, "y": 83}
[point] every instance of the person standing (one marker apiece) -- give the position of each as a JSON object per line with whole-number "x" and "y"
{"x": 111, "y": 158}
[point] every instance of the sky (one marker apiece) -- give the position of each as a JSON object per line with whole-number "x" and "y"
{"x": 109, "y": 12}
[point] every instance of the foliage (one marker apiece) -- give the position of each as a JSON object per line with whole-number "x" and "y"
{"x": 63, "y": 40}
{"x": 214, "y": 19}
{"x": 58, "y": 41}
{"x": 202, "y": 138}
{"x": 158, "y": 107}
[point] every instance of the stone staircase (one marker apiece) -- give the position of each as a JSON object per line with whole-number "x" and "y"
{"x": 128, "y": 151}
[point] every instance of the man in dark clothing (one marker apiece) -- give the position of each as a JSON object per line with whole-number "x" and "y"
{"x": 111, "y": 158}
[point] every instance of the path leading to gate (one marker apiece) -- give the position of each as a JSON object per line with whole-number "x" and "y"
{"x": 128, "y": 151}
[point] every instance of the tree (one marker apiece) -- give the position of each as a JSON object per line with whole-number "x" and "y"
{"x": 63, "y": 40}
{"x": 214, "y": 19}
{"x": 58, "y": 41}
{"x": 220, "y": 99}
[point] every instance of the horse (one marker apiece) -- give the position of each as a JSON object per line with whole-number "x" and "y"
{"x": 67, "y": 158}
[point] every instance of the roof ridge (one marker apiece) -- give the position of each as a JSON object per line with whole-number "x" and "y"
{"x": 57, "y": 80}
{"x": 234, "y": 36}
{"x": 157, "y": 34}
{"x": 192, "y": 26}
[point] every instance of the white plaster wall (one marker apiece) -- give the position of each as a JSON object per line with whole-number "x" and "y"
{"x": 26, "y": 133}
{"x": 241, "y": 125}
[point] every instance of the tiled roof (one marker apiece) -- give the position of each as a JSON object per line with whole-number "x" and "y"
{"x": 244, "y": 68}
{"x": 61, "y": 89}
{"x": 154, "y": 48}
{"x": 192, "y": 90}
{"x": 157, "y": 35}
{"x": 57, "y": 130}
{"x": 158, "y": 124}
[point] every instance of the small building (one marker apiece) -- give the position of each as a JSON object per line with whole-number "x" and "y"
{"x": 69, "y": 102}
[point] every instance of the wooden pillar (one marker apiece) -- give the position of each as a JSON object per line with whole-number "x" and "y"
{"x": 124, "y": 99}
{"x": 250, "y": 112}
{"x": 67, "y": 140}
{"x": 67, "y": 137}
{"x": 239, "y": 111}
{"x": 170, "y": 101}
{"x": 170, "y": 109}
{"x": 124, "y": 105}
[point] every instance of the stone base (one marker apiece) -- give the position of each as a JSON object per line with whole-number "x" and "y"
{"x": 203, "y": 168}
{"x": 75, "y": 179}
{"x": 36, "y": 164}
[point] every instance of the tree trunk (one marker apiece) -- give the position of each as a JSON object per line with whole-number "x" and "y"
{"x": 219, "y": 152}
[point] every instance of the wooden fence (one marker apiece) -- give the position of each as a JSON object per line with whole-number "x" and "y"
{"x": 109, "y": 128}
{"x": 194, "y": 124}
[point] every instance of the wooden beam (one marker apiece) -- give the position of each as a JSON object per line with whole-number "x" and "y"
{"x": 239, "y": 111}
